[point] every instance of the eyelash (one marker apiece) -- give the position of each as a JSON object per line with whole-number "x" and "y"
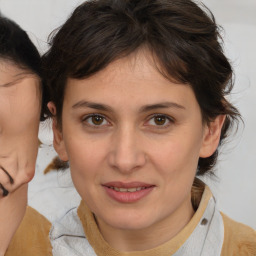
{"x": 88, "y": 117}
{"x": 167, "y": 119}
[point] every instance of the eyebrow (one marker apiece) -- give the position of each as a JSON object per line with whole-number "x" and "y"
{"x": 13, "y": 82}
{"x": 18, "y": 77}
{"x": 146, "y": 108}
{"x": 87, "y": 104}
{"x": 23, "y": 73}
{"x": 161, "y": 105}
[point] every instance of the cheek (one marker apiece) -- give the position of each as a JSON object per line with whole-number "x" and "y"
{"x": 177, "y": 157}
{"x": 20, "y": 110}
{"x": 87, "y": 168}
{"x": 176, "y": 163}
{"x": 85, "y": 158}
{"x": 81, "y": 167}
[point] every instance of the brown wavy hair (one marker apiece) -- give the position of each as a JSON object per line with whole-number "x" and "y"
{"x": 183, "y": 38}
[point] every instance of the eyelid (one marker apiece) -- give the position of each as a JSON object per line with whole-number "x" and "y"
{"x": 93, "y": 114}
{"x": 165, "y": 115}
{"x": 86, "y": 117}
{"x": 169, "y": 118}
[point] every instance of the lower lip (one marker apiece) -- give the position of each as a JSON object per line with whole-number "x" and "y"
{"x": 128, "y": 197}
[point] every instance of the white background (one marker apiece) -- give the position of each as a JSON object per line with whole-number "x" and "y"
{"x": 235, "y": 186}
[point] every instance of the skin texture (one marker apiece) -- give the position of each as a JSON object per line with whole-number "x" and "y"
{"x": 19, "y": 122}
{"x": 12, "y": 211}
{"x": 127, "y": 143}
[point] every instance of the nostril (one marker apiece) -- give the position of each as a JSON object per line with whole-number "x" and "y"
{"x": 9, "y": 176}
{"x": 5, "y": 191}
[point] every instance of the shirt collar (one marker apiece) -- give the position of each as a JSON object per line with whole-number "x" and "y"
{"x": 179, "y": 243}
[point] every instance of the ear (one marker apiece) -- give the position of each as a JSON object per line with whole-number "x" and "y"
{"x": 58, "y": 141}
{"x": 211, "y": 138}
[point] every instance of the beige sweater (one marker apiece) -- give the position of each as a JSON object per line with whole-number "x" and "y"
{"x": 32, "y": 237}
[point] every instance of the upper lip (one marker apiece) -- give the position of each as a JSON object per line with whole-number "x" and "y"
{"x": 119, "y": 184}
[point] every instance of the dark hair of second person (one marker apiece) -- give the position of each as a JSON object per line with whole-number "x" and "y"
{"x": 186, "y": 47}
{"x": 16, "y": 47}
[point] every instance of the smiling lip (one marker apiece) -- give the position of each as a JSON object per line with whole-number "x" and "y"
{"x": 127, "y": 192}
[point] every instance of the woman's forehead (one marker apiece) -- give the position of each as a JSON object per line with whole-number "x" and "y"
{"x": 133, "y": 80}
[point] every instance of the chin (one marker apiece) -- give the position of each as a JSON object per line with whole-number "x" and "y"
{"x": 128, "y": 221}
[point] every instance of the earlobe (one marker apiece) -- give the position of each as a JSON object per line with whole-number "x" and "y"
{"x": 212, "y": 135}
{"x": 58, "y": 141}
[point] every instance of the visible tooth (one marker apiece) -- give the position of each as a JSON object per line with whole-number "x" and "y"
{"x": 132, "y": 189}
{"x": 127, "y": 189}
{"x": 123, "y": 189}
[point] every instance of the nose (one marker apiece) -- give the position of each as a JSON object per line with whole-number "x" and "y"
{"x": 127, "y": 154}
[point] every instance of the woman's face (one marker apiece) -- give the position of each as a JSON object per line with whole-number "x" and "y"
{"x": 19, "y": 121}
{"x": 133, "y": 139}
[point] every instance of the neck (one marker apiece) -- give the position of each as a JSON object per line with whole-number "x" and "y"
{"x": 126, "y": 240}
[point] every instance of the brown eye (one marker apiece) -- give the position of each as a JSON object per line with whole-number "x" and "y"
{"x": 97, "y": 120}
{"x": 160, "y": 120}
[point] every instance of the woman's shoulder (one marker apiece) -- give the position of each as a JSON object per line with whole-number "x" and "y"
{"x": 239, "y": 239}
{"x": 67, "y": 234}
{"x": 32, "y": 237}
